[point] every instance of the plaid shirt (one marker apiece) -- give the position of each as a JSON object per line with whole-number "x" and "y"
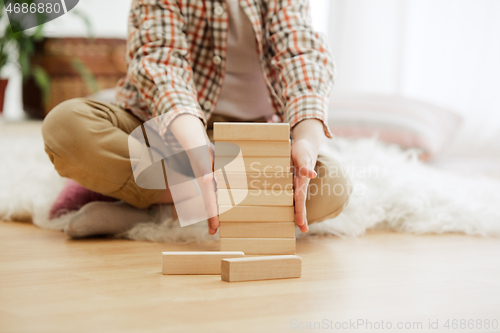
{"x": 177, "y": 49}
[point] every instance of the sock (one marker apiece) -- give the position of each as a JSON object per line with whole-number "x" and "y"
{"x": 106, "y": 218}
{"x": 73, "y": 197}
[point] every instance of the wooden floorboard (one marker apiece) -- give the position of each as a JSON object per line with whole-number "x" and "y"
{"x": 51, "y": 284}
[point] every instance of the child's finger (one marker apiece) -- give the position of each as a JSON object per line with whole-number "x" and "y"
{"x": 215, "y": 222}
{"x": 211, "y": 229}
{"x": 208, "y": 177}
{"x": 305, "y": 172}
{"x": 304, "y": 167}
{"x": 300, "y": 202}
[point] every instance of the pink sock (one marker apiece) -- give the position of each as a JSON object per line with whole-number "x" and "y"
{"x": 74, "y": 196}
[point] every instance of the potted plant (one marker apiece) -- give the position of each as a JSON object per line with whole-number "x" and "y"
{"x": 3, "y": 82}
{"x": 17, "y": 48}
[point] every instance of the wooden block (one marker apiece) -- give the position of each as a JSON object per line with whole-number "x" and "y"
{"x": 253, "y": 148}
{"x": 259, "y": 245}
{"x": 254, "y": 164}
{"x": 251, "y": 131}
{"x": 195, "y": 262}
{"x": 257, "y": 230}
{"x": 231, "y": 197}
{"x": 256, "y": 214}
{"x": 261, "y": 268}
{"x": 255, "y": 181}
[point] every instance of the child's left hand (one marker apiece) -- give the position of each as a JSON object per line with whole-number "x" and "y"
{"x": 308, "y": 136}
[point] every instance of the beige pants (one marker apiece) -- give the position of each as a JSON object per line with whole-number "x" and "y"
{"x": 88, "y": 141}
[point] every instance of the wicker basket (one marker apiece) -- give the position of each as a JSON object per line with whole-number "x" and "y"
{"x": 105, "y": 58}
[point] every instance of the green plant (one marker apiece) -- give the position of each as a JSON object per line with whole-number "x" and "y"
{"x": 19, "y": 47}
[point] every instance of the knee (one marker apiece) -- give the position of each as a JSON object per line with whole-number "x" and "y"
{"x": 61, "y": 117}
{"x": 328, "y": 193}
{"x": 61, "y": 127}
{"x": 336, "y": 188}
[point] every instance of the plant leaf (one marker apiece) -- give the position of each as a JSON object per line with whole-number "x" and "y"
{"x": 42, "y": 80}
{"x": 86, "y": 75}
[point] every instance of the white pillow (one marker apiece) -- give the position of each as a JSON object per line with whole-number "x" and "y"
{"x": 394, "y": 119}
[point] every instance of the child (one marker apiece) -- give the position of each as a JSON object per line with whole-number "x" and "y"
{"x": 197, "y": 62}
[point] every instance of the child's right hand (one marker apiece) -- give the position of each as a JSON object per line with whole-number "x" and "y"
{"x": 190, "y": 133}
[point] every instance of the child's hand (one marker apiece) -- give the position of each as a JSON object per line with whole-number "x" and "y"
{"x": 308, "y": 136}
{"x": 190, "y": 133}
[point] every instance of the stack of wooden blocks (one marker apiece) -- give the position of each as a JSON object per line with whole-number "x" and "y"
{"x": 256, "y": 213}
{"x": 254, "y": 188}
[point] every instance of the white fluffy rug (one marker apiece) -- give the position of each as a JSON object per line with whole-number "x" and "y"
{"x": 393, "y": 191}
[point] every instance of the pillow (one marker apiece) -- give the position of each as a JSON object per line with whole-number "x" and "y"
{"x": 394, "y": 119}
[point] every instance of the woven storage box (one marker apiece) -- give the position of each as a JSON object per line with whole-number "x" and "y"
{"x": 105, "y": 58}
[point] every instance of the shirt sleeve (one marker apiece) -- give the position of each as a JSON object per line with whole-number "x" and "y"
{"x": 302, "y": 61}
{"x": 158, "y": 60}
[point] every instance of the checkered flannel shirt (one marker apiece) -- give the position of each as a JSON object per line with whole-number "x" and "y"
{"x": 177, "y": 49}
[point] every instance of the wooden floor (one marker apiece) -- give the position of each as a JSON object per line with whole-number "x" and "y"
{"x": 51, "y": 284}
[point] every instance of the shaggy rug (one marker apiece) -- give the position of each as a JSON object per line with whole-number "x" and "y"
{"x": 393, "y": 190}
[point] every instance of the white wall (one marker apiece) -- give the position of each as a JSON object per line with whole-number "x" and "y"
{"x": 108, "y": 19}
{"x": 452, "y": 57}
{"x": 442, "y": 51}
{"x": 365, "y": 37}
{"x": 319, "y": 14}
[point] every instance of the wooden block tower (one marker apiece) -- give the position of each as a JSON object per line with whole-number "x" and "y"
{"x": 255, "y": 188}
